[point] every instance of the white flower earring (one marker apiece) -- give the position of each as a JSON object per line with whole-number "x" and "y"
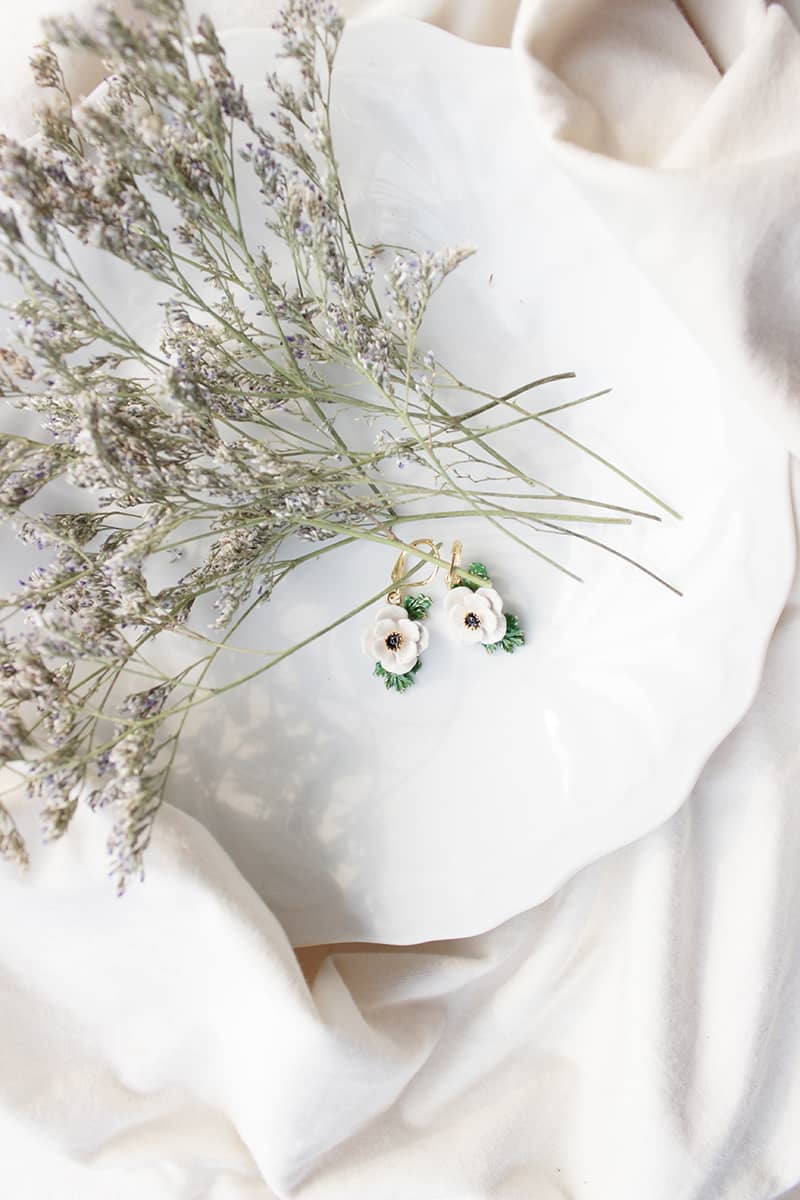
{"x": 475, "y": 610}
{"x": 397, "y": 638}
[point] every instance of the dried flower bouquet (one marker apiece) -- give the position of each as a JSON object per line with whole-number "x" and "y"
{"x": 269, "y": 426}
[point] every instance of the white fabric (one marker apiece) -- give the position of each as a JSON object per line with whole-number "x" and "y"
{"x": 694, "y": 171}
{"x": 637, "y": 1036}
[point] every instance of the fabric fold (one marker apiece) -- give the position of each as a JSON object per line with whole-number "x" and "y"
{"x": 634, "y": 1037}
{"x": 695, "y": 172}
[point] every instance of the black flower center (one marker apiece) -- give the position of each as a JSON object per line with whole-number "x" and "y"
{"x": 394, "y": 641}
{"x": 472, "y": 621}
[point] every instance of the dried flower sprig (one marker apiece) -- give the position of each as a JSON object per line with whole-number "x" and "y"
{"x": 284, "y": 412}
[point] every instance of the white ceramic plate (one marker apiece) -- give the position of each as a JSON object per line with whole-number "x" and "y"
{"x": 361, "y": 814}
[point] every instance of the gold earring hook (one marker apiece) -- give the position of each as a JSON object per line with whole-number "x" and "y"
{"x": 395, "y": 596}
{"x": 455, "y": 561}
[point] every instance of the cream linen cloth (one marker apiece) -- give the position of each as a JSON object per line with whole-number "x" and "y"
{"x": 637, "y": 1037}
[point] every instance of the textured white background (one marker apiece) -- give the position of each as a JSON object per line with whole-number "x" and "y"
{"x": 637, "y": 1036}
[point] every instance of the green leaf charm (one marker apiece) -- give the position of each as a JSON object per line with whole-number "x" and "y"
{"x": 514, "y": 637}
{"x": 476, "y": 568}
{"x": 417, "y": 607}
{"x": 397, "y": 683}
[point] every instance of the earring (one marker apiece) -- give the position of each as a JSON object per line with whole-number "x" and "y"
{"x": 475, "y": 610}
{"x": 396, "y": 638}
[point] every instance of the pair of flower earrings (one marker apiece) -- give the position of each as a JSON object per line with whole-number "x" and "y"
{"x": 398, "y": 637}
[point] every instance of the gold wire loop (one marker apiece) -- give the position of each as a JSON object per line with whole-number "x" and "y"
{"x": 455, "y": 561}
{"x": 395, "y": 596}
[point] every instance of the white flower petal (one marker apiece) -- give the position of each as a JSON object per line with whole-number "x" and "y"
{"x": 498, "y": 634}
{"x": 494, "y": 598}
{"x": 385, "y": 627}
{"x": 424, "y": 638}
{"x": 379, "y": 647}
{"x": 390, "y": 612}
{"x": 490, "y": 622}
{"x": 457, "y": 597}
{"x": 461, "y": 616}
{"x": 480, "y": 602}
{"x": 405, "y": 658}
{"x": 460, "y": 627}
{"x": 388, "y": 660}
{"x": 409, "y": 629}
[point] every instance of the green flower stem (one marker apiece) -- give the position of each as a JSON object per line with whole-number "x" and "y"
{"x": 543, "y": 412}
{"x": 144, "y": 722}
{"x": 516, "y": 421}
{"x": 586, "y": 450}
{"x": 508, "y": 399}
{"x": 611, "y": 466}
{"x": 618, "y": 554}
{"x": 507, "y": 396}
{"x": 385, "y": 540}
{"x": 465, "y": 496}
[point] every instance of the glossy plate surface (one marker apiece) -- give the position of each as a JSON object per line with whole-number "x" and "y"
{"x": 361, "y": 814}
